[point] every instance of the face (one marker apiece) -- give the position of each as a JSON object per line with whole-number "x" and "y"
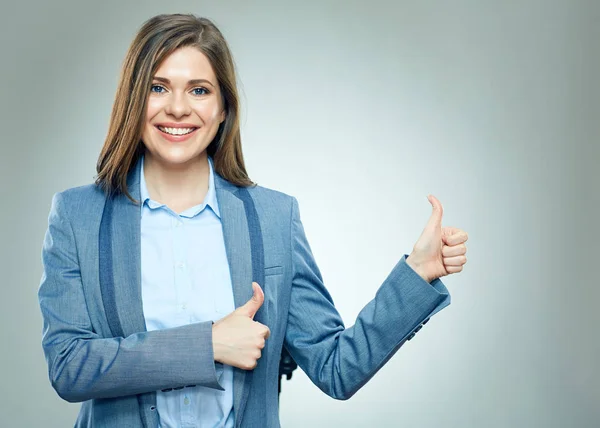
{"x": 184, "y": 110}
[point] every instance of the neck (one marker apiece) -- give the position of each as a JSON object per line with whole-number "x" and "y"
{"x": 177, "y": 186}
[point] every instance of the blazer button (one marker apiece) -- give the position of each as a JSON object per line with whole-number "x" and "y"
{"x": 411, "y": 336}
{"x": 426, "y": 321}
{"x": 418, "y": 328}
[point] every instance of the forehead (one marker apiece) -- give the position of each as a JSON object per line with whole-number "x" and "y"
{"x": 185, "y": 64}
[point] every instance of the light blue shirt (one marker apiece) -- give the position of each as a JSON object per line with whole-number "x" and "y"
{"x": 186, "y": 279}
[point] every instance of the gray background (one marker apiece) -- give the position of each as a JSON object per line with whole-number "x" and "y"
{"x": 359, "y": 109}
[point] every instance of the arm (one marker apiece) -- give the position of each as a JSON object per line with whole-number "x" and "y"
{"x": 83, "y": 365}
{"x": 341, "y": 360}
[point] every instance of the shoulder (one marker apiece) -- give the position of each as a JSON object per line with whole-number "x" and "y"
{"x": 273, "y": 205}
{"x": 271, "y": 195}
{"x": 264, "y": 199}
{"x": 81, "y": 201}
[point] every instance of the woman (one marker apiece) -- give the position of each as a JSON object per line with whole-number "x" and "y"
{"x": 172, "y": 284}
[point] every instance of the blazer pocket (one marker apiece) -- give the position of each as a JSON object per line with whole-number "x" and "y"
{"x": 273, "y": 270}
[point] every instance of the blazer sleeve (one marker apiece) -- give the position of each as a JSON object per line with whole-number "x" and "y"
{"x": 83, "y": 365}
{"x": 341, "y": 360}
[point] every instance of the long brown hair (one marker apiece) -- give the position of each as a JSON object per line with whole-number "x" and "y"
{"x": 158, "y": 38}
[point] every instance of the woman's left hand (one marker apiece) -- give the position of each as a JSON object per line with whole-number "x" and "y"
{"x": 439, "y": 251}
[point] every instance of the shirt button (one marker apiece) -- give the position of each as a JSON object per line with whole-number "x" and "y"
{"x": 184, "y": 306}
{"x": 186, "y": 401}
{"x": 178, "y": 224}
{"x": 180, "y": 265}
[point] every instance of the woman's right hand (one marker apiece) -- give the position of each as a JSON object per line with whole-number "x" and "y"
{"x": 237, "y": 338}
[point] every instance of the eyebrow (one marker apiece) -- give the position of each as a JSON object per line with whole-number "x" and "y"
{"x": 190, "y": 82}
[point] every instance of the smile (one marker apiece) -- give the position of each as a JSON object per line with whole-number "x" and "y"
{"x": 176, "y": 131}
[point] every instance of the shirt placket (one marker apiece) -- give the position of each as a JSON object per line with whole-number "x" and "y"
{"x": 181, "y": 269}
{"x": 183, "y": 287}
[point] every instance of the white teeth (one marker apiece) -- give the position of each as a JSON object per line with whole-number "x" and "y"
{"x": 176, "y": 131}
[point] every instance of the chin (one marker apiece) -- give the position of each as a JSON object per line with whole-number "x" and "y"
{"x": 176, "y": 156}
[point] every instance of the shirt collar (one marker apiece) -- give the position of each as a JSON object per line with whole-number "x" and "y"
{"x": 209, "y": 200}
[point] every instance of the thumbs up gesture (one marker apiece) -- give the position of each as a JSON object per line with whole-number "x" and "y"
{"x": 439, "y": 251}
{"x": 238, "y": 340}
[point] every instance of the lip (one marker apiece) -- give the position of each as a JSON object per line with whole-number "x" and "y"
{"x": 176, "y": 138}
{"x": 177, "y": 125}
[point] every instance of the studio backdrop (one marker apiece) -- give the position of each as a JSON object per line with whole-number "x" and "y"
{"x": 359, "y": 109}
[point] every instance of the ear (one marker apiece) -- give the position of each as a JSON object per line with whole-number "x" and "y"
{"x": 222, "y": 116}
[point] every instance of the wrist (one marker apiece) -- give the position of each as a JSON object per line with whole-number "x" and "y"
{"x": 217, "y": 349}
{"x": 417, "y": 268}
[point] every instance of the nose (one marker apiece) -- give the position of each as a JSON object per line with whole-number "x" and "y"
{"x": 178, "y": 105}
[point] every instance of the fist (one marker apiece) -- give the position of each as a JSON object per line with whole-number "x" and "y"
{"x": 439, "y": 251}
{"x": 238, "y": 340}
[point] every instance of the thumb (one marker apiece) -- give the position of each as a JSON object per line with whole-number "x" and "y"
{"x": 253, "y": 305}
{"x": 435, "y": 221}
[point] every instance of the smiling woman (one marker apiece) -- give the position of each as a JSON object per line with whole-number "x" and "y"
{"x": 173, "y": 284}
{"x": 177, "y": 66}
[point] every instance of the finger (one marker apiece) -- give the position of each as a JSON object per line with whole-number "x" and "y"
{"x": 435, "y": 220}
{"x": 253, "y": 305}
{"x": 448, "y": 230}
{"x": 455, "y": 261}
{"x": 456, "y": 239}
{"x": 263, "y": 330}
{"x": 454, "y": 269}
{"x": 456, "y": 250}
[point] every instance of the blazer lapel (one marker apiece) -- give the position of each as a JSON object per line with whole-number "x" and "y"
{"x": 237, "y": 240}
{"x": 237, "y": 245}
{"x": 126, "y": 258}
{"x": 120, "y": 274}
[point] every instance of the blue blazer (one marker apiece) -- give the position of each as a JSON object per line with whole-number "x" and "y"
{"x": 95, "y": 340}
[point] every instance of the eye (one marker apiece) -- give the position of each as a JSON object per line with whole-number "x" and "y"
{"x": 200, "y": 91}
{"x": 157, "y": 89}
